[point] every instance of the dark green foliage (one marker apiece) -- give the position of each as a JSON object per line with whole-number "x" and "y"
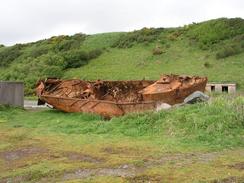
{"x": 9, "y": 54}
{"x": 75, "y": 58}
{"x": 212, "y": 32}
{"x": 167, "y": 46}
{"x": 69, "y": 43}
{"x": 52, "y": 59}
{"x": 236, "y": 46}
{"x": 41, "y": 50}
{"x": 45, "y": 58}
{"x": 53, "y": 72}
{"x": 95, "y": 53}
{"x": 145, "y": 35}
{"x": 49, "y": 65}
{"x": 228, "y": 50}
{"x": 207, "y": 65}
{"x": 78, "y": 58}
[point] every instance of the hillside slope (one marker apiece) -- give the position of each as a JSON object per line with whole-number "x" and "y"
{"x": 213, "y": 48}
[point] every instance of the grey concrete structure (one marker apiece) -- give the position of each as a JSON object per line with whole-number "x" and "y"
{"x": 12, "y": 93}
{"x": 221, "y": 87}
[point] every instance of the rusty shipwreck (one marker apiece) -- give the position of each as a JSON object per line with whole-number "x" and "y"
{"x": 116, "y": 98}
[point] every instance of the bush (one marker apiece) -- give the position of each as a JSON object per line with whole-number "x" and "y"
{"x": 65, "y": 43}
{"x": 212, "y": 32}
{"x": 52, "y": 59}
{"x": 167, "y": 46}
{"x": 95, "y": 53}
{"x": 145, "y": 35}
{"x": 9, "y": 54}
{"x": 157, "y": 51}
{"x": 173, "y": 36}
{"x": 38, "y": 51}
{"x": 52, "y": 71}
{"x": 228, "y": 51}
{"x": 44, "y": 58}
{"x": 78, "y": 58}
{"x": 207, "y": 65}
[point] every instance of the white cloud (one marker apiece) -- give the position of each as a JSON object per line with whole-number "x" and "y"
{"x": 30, "y": 20}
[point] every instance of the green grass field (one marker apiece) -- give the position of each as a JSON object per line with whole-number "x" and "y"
{"x": 195, "y": 143}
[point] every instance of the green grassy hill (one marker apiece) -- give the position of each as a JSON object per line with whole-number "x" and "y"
{"x": 213, "y": 48}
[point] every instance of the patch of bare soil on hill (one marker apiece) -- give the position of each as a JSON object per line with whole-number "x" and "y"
{"x": 16, "y": 179}
{"x": 132, "y": 172}
{"x": 75, "y": 156}
{"x": 230, "y": 180}
{"x": 145, "y": 178}
{"x": 238, "y": 166}
{"x": 121, "y": 171}
{"x": 21, "y": 153}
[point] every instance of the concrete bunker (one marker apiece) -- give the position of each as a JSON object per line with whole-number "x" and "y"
{"x": 221, "y": 87}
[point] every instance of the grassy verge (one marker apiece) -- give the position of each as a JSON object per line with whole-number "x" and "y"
{"x": 204, "y": 140}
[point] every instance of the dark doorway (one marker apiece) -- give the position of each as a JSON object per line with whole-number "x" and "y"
{"x": 225, "y": 89}
{"x": 212, "y": 88}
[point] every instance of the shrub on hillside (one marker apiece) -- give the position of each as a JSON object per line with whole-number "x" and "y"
{"x": 208, "y": 33}
{"x": 66, "y": 45}
{"x": 38, "y": 51}
{"x": 9, "y": 54}
{"x": 227, "y": 51}
{"x": 51, "y": 59}
{"x": 207, "y": 65}
{"x": 78, "y": 58}
{"x": 145, "y": 35}
{"x": 52, "y": 71}
{"x": 157, "y": 51}
{"x": 95, "y": 53}
{"x": 167, "y": 46}
{"x": 173, "y": 36}
{"x": 75, "y": 58}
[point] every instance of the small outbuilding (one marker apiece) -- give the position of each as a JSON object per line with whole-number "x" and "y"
{"x": 12, "y": 93}
{"x": 221, "y": 87}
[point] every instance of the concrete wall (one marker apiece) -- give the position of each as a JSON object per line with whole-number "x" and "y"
{"x": 218, "y": 87}
{"x": 208, "y": 88}
{"x": 12, "y": 93}
{"x": 232, "y": 88}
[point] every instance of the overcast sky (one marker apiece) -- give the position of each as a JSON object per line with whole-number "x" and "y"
{"x": 30, "y": 20}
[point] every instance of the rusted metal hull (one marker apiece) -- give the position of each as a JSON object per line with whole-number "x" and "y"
{"x": 173, "y": 89}
{"x": 106, "y": 109}
{"x": 175, "y": 96}
{"x": 116, "y": 98}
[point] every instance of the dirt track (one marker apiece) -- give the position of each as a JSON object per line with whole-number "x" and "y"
{"x": 129, "y": 172}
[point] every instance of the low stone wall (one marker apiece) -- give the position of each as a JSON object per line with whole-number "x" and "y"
{"x": 12, "y": 93}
